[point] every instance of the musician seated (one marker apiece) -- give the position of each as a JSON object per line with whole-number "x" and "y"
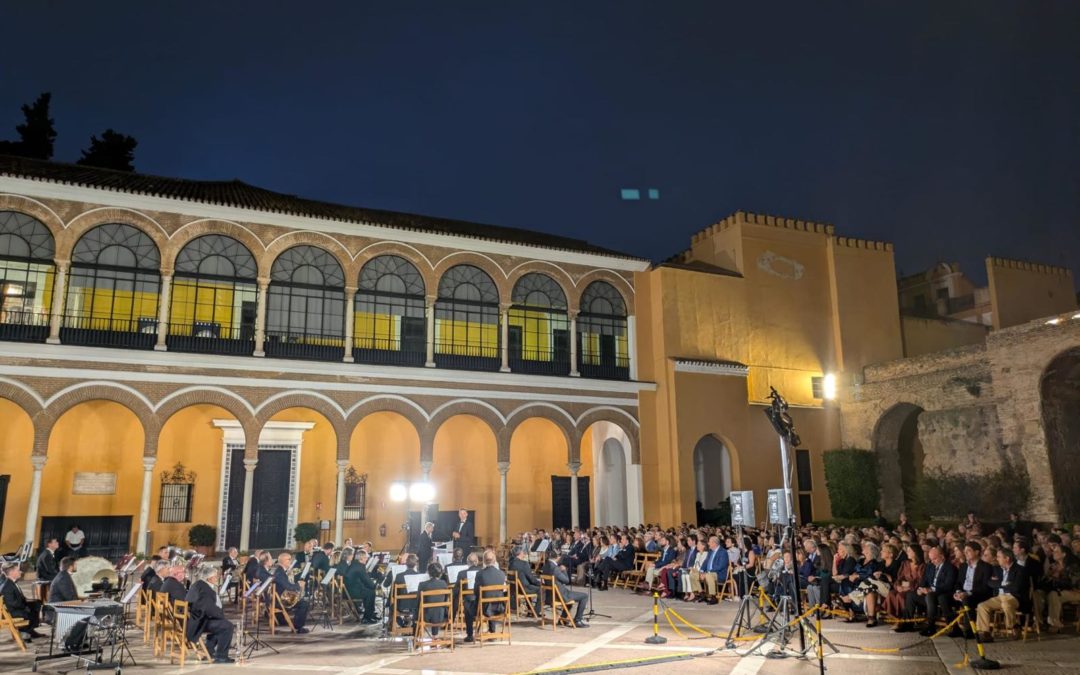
{"x": 173, "y": 583}
{"x": 16, "y": 603}
{"x": 435, "y": 582}
{"x": 562, "y": 581}
{"x": 283, "y": 584}
{"x": 407, "y": 608}
{"x": 519, "y": 565}
{"x": 265, "y": 569}
{"x": 320, "y": 560}
{"x": 473, "y": 562}
{"x": 62, "y": 588}
{"x": 159, "y": 570}
{"x": 149, "y": 571}
{"x": 251, "y": 567}
{"x": 231, "y": 562}
{"x": 489, "y": 575}
{"x": 304, "y": 556}
{"x": 205, "y": 616}
{"x": 361, "y": 587}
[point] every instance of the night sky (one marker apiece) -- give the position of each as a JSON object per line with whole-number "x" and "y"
{"x": 949, "y": 128}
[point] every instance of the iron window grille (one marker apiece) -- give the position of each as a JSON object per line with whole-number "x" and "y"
{"x": 539, "y": 328}
{"x": 467, "y": 320}
{"x": 305, "y": 305}
{"x": 355, "y": 495}
{"x": 603, "y": 347}
{"x": 26, "y": 274}
{"x": 389, "y": 313}
{"x": 177, "y": 495}
{"x": 214, "y": 297}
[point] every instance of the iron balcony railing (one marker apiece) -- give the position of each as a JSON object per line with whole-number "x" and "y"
{"x": 389, "y": 352}
{"x": 123, "y": 332}
{"x": 467, "y": 356}
{"x": 540, "y": 362}
{"x": 24, "y": 326}
{"x": 207, "y": 337}
{"x": 307, "y": 346}
{"x": 604, "y": 367}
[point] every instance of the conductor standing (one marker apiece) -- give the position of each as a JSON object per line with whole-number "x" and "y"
{"x": 465, "y": 533}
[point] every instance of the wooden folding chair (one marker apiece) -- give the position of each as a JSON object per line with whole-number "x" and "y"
{"x": 554, "y": 599}
{"x": 399, "y": 594}
{"x": 522, "y": 600}
{"x": 459, "y": 611}
{"x": 276, "y": 608}
{"x": 346, "y": 604}
{"x": 728, "y": 588}
{"x": 162, "y": 620}
{"x": 434, "y": 600}
{"x": 178, "y": 637}
{"x": 142, "y": 607}
{"x": 494, "y": 605}
{"x": 12, "y": 624}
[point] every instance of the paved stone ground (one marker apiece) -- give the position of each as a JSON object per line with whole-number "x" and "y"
{"x": 352, "y": 650}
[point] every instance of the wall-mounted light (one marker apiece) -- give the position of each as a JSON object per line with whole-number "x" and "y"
{"x": 422, "y": 492}
{"x": 828, "y": 387}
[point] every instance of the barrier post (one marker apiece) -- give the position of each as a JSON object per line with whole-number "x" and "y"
{"x": 656, "y": 638}
{"x": 981, "y": 663}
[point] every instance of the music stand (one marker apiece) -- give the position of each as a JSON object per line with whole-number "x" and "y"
{"x": 320, "y": 598}
{"x": 255, "y": 641}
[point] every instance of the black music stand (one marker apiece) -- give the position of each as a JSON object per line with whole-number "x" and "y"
{"x": 255, "y": 641}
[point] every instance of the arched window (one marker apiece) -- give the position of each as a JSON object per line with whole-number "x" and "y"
{"x": 26, "y": 277}
{"x": 214, "y": 297}
{"x": 602, "y": 336}
{"x": 306, "y": 305}
{"x": 467, "y": 320}
{"x": 112, "y": 296}
{"x": 389, "y": 324}
{"x": 539, "y": 330}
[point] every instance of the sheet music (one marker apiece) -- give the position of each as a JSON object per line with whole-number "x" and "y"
{"x": 252, "y": 590}
{"x": 305, "y": 570}
{"x": 412, "y": 581}
{"x": 372, "y": 561}
{"x": 444, "y": 558}
{"x": 396, "y": 570}
{"x": 452, "y": 572}
{"x": 329, "y": 576}
{"x": 543, "y": 545}
{"x": 225, "y": 584}
{"x": 471, "y": 575}
{"x": 131, "y": 593}
{"x": 130, "y": 562}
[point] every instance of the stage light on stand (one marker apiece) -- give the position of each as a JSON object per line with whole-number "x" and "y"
{"x": 399, "y": 492}
{"x": 422, "y": 492}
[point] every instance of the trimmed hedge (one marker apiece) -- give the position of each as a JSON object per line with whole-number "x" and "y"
{"x": 852, "y": 480}
{"x": 305, "y": 532}
{"x": 992, "y": 496}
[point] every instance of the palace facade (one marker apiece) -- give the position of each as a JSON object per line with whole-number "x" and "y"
{"x": 177, "y": 352}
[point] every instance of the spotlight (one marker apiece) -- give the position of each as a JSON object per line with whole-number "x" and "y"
{"x": 1053, "y": 322}
{"x": 421, "y": 492}
{"x": 398, "y": 492}
{"x": 828, "y": 386}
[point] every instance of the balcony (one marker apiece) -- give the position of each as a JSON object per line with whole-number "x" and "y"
{"x": 124, "y": 333}
{"x": 540, "y": 362}
{"x": 389, "y": 352}
{"x": 204, "y": 337}
{"x": 614, "y": 368}
{"x": 466, "y": 356}
{"x": 24, "y": 326}
{"x": 305, "y": 346}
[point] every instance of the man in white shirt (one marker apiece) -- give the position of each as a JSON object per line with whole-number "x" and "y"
{"x": 74, "y": 540}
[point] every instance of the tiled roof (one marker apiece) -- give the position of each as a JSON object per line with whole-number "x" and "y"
{"x": 241, "y": 195}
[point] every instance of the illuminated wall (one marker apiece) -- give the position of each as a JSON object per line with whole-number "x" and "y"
{"x": 537, "y": 452}
{"x": 16, "y": 443}
{"x": 386, "y": 447}
{"x": 464, "y": 472}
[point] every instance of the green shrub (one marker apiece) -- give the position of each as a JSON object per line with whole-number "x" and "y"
{"x": 852, "y": 480}
{"x": 202, "y": 535}
{"x": 305, "y": 532}
{"x": 991, "y": 496}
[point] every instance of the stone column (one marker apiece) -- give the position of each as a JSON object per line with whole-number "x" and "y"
{"x": 504, "y": 337}
{"x": 59, "y": 297}
{"x": 339, "y": 511}
{"x": 163, "y": 313}
{"x": 260, "y": 317}
{"x": 504, "y": 468}
{"x": 350, "y": 305}
{"x": 144, "y": 504}
{"x": 575, "y": 513}
{"x": 35, "y": 499}
{"x": 631, "y": 345}
{"x": 429, "y": 312}
{"x": 425, "y": 469}
{"x": 573, "y": 345}
{"x": 249, "y": 489}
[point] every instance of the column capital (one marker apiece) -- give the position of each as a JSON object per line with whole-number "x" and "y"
{"x": 574, "y": 467}
{"x": 572, "y": 314}
{"x": 250, "y": 464}
{"x": 430, "y": 300}
{"x": 342, "y": 465}
{"x": 505, "y": 306}
{"x": 425, "y": 466}
{"x": 148, "y": 463}
{"x": 166, "y": 275}
{"x": 38, "y": 461}
{"x": 62, "y": 265}
{"x": 263, "y": 282}
{"x": 504, "y": 468}
{"x": 350, "y": 290}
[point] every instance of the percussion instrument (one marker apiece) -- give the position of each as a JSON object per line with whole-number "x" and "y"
{"x": 70, "y": 613}
{"x": 91, "y": 570}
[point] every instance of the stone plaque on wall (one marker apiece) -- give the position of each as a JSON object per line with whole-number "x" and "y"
{"x": 92, "y": 483}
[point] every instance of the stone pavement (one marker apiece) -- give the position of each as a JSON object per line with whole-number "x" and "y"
{"x": 352, "y": 650}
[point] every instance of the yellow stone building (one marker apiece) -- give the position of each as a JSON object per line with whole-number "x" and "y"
{"x": 177, "y": 352}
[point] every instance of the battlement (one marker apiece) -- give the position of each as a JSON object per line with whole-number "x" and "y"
{"x": 1026, "y": 266}
{"x": 760, "y": 219}
{"x": 865, "y": 244}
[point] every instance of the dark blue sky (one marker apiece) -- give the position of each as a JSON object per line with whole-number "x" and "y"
{"x": 949, "y": 128}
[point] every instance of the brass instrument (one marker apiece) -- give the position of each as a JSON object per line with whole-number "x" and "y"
{"x": 290, "y": 599}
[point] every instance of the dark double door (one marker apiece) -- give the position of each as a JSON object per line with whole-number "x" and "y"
{"x": 561, "y": 512}
{"x": 269, "y": 499}
{"x": 106, "y": 536}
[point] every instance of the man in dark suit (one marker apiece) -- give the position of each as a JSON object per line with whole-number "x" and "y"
{"x": 1009, "y": 585}
{"x": 265, "y": 570}
{"x": 621, "y": 562}
{"x": 231, "y": 562}
{"x": 464, "y": 534}
{"x": 434, "y": 582}
{"x": 652, "y": 569}
{"x": 425, "y": 546}
{"x": 149, "y": 572}
{"x": 473, "y": 562}
{"x": 320, "y": 559}
{"x": 46, "y": 566}
{"x": 62, "y": 588}
{"x": 205, "y": 617}
{"x": 361, "y": 586}
{"x": 251, "y": 567}
{"x": 16, "y": 603}
{"x": 562, "y": 582}
{"x": 972, "y": 584}
{"x": 282, "y": 583}
{"x": 173, "y": 583}
{"x": 520, "y": 566}
{"x": 154, "y": 581}
{"x": 938, "y": 584}
{"x": 490, "y": 575}
{"x": 407, "y": 607}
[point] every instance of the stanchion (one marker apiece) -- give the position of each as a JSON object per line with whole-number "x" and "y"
{"x": 820, "y": 641}
{"x": 981, "y": 663}
{"x": 656, "y": 638}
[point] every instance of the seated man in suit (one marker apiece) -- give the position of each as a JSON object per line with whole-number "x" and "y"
{"x": 173, "y": 583}
{"x": 435, "y": 582}
{"x": 407, "y": 607}
{"x": 150, "y": 571}
{"x": 814, "y": 574}
{"x": 938, "y": 585}
{"x": 489, "y": 575}
{"x": 251, "y": 567}
{"x": 205, "y": 617}
{"x": 361, "y": 587}
{"x": 265, "y": 569}
{"x": 62, "y": 588}
{"x": 320, "y": 560}
{"x": 1009, "y": 586}
{"x": 153, "y": 583}
{"x": 282, "y": 583}
{"x": 667, "y": 556}
{"x": 562, "y": 581}
{"x": 972, "y": 584}
{"x": 520, "y": 566}
{"x": 303, "y": 556}
{"x": 46, "y": 566}
{"x": 16, "y": 603}
{"x": 622, "y": 561}
{"x": 713, "y": 570}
